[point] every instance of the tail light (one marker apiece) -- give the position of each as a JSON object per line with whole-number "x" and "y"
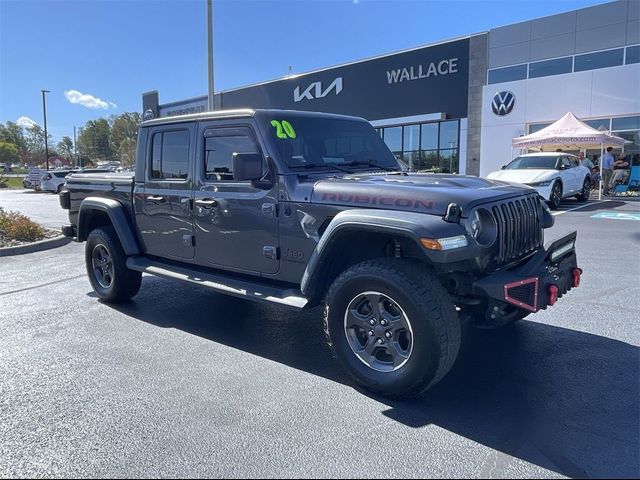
{"x": 553, "y": 294}
{"x": 576, "y": 273}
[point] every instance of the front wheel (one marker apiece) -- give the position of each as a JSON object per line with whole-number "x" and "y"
{"x": 584, "y": 194}
{"x": 556, "y": 196}
{"x": 107, "y": 269}
{"x": 392, "y": 326}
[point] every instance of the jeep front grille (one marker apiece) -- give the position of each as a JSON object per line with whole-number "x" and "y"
{"x": 519, "y": 227}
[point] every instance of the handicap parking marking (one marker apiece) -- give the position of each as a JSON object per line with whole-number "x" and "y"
{"x": 617, "y": 215}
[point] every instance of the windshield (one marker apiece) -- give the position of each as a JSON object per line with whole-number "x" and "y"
{"x": 527, "y": 163}
{"x": 315, "y": 142}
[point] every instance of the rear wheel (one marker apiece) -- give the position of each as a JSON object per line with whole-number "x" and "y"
{"x": 556, "y": 196}
{"x": 584, "y": 194}
{"x": 59, "y": 189}
{"x": 106, "y": 267}
{"x": 392, "y": 326}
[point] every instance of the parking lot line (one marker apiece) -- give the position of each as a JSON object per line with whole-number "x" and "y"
{"x": 581, "y": 206}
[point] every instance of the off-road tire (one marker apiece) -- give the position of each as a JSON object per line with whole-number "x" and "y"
{"x": 124, "y": 283}
{"x": 428, "y": 306}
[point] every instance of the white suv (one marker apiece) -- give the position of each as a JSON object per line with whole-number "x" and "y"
{"x": 54, "y": 180}
{"x": 554, "y": 175}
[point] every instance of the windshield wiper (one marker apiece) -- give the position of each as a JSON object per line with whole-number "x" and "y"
{"x": 308, "y": 166}
{"x": 371, "y": 163}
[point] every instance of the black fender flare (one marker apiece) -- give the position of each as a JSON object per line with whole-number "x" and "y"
{"x": 408, "y": 225}
{"x": 118, "y": 216}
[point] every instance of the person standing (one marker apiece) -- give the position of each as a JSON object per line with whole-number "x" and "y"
{"x": 585, "y": 161}
{"x": 607, "y": 170}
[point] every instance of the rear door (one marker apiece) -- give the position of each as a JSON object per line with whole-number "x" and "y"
{"x": 236, "y": 222}
{"x": 164, "y": 213}
{"x": 570, "y": 175}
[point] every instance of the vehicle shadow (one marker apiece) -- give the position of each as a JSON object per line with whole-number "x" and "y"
{"x": 562, "y": 399}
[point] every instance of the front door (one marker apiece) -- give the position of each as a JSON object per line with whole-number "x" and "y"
{"x": 163, "y": 205}
{"x": 236, "y": 222}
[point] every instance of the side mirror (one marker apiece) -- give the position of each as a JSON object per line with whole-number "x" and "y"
{"x": 503, "y": 167}
{"x": 248, "y": 166}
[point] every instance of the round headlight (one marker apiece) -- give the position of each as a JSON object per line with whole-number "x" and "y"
{"x": 482, "y": 227}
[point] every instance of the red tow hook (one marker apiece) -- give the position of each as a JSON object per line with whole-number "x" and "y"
{"x": 576, "y": 272}
{"x": 553, "y": 295}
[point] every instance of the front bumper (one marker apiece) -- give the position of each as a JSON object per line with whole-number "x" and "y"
{"x": 544, "y": 192}
{"x": 531, "y": 286}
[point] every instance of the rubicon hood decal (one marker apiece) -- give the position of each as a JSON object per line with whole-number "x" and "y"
{"x": 425, "y": 193}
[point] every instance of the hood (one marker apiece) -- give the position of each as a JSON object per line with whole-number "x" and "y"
{"x": 425, "y": 193}
{"x": 522, "y": 176}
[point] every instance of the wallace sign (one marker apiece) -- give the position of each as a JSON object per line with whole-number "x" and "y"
{"x": 427, "y": 80}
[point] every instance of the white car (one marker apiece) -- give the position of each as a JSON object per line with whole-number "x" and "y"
{"x": 554, "y": 175}
{"x": 54, "y": 180}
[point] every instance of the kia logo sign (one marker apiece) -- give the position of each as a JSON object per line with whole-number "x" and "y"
{"x": 503, "y": 103}
{"x": 315, "y": 90}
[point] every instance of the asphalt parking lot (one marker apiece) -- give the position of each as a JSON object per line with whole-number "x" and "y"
{"x": 184, "y": 382}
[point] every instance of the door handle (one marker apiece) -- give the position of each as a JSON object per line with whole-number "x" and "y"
{"x": 207, "y": 203}
{"x": 151, "y": 198}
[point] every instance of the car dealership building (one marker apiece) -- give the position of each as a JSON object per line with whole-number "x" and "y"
{"x": 455, "y": 106}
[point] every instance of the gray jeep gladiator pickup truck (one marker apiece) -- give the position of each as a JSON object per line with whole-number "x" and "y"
{"x": 305, "y": 209}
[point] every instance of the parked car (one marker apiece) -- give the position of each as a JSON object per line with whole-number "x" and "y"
{"x": 554, "y": 175}
{"x": 303, "y": 209}
{"x": 53, "y": 180}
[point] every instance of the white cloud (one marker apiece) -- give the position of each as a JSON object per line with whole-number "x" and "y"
{"x": 356, "y": 2}
{"x": 25, "y": 122}
{"x": 86, "y": 100}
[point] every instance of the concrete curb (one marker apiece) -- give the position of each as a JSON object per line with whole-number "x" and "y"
{"x": 35, "y": 247}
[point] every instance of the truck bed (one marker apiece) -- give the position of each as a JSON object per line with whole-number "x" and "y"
{"x": 118, "y": 186}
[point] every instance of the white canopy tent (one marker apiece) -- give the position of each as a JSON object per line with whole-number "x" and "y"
{"x": 567, "y": 133}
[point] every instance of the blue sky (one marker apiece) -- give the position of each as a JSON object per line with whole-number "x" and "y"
{"x": 105, "y": 53}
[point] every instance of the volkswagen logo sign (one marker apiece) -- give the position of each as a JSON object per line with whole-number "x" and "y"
{"x": 148, "y": 114}
{"x": 503, "y": 103}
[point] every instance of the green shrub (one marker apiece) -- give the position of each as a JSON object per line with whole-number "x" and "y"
{"x": 15, "y": 226}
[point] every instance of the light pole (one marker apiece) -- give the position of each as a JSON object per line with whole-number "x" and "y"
{"x": 46, "y": 139}
{"x": 210, "y": 52}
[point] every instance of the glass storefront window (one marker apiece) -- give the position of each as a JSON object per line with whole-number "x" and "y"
{"x": 428, "y": 161}
{"x": 449, "y": 161}
{"x": 626, "y": 123}
{"x": 536, "y": 127}
{"x": 429, "y": 136}
{"x": 591, "y": 61}
{"x": 411, "y": 159}
{"x": 508, "y": 74}
{"x": 601, "y": 124}
{"x": 449, "y": 134}
{"x": 393, "y": 138}
{"x": 550, "y": 67}
{"x": 426, "y": 147}
{"x": 411, "y": 137}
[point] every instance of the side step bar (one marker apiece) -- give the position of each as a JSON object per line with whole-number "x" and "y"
{"x": 239, "y": 288}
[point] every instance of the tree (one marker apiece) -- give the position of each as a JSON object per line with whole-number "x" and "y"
{"x": 124, "y": 136}
{"x": 65, "y": 147}
{"x": 94, "y": 141}
{"x": 35, "y": 144}
{"x": 8, "y": 153}
{"x": 12, "y": 133}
